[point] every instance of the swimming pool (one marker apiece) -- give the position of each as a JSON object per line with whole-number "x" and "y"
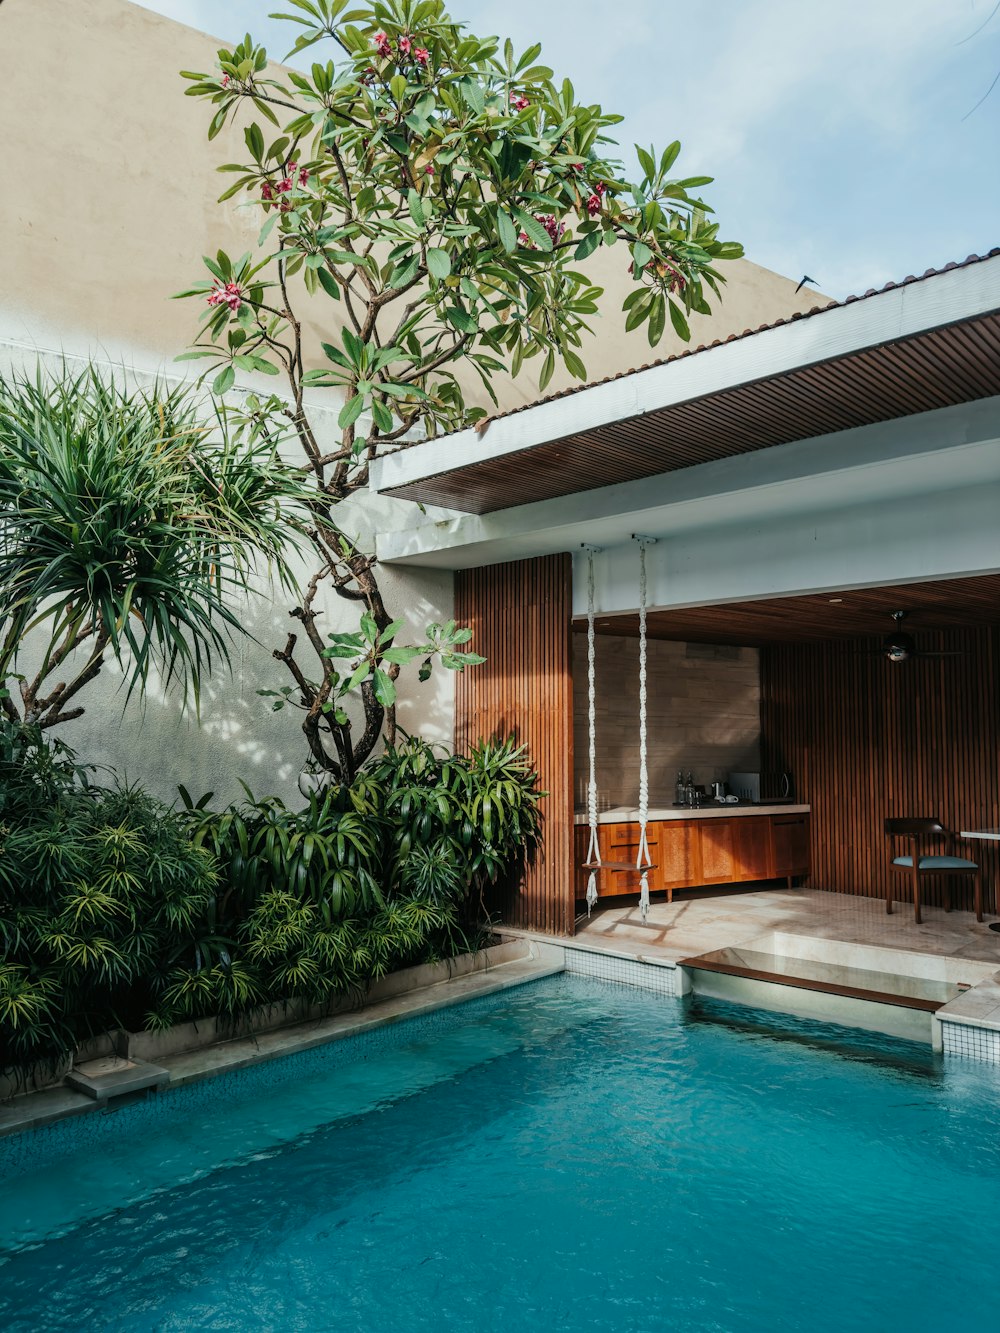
{"x": 568, "y": 1154}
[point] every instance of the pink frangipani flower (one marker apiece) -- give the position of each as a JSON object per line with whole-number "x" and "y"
{"x": 405, "y": 46}
{"x": 518, "y": 101}
{"x": 421, "y": 55}
{"x": 228, "y": 293}
{"x": 382, "y": 44}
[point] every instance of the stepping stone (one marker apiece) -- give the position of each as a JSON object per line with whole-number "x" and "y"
{"x": 114, "y": 1076}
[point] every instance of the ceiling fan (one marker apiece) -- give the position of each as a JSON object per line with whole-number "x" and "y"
{"x": 898, "y": 646}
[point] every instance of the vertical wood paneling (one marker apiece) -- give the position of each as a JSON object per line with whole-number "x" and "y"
{"x": 867, "y": 739}
{"x": 520, "y": 615}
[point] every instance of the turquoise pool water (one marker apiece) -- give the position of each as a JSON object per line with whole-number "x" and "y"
{"x": 571, "y": 1155}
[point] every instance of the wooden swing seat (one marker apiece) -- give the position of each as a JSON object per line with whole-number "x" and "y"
{"x": 617, "y": 867}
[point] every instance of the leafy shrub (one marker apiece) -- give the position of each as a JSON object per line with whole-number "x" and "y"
{"x": 117, "y": 912}
{"x": 97, "y": 886}
{"x": 368, "y": 877}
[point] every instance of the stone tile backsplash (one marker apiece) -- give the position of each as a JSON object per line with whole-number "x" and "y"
{"x": 703, "y": 714}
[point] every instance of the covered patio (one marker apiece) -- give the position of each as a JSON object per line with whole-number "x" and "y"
{"x": 802, "y": 484}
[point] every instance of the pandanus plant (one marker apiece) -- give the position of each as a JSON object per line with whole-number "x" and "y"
{"x": 128, "y": 529}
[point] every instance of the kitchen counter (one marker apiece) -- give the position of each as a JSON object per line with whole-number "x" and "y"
{"x": 692, "y": 847}
{"x": 623, "y": 815}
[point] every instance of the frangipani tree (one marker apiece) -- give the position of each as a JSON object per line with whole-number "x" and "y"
{"x": 439, "y": 191}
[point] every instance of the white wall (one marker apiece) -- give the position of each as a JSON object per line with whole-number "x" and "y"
{"x": 160, "y": 744}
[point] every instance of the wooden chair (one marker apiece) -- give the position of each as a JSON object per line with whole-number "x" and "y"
{"x": 916, "y": 865}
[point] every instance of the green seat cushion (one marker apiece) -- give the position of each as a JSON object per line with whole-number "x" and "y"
{"x": 936, "y": 863}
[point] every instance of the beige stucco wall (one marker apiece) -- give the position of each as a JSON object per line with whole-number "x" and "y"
{"x": 94, "y": 245}
{"x": 99, "y": 229}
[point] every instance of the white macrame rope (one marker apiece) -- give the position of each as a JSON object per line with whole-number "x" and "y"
{"x": 643, "y": 860}
{"x": 594, "y": 854}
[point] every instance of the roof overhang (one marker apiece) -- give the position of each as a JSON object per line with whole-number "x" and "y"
{"x": 925, "y": 344}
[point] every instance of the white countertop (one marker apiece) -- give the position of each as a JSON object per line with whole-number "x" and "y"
{"x": 987, "y": 834}
{"x": 623, "y": 815}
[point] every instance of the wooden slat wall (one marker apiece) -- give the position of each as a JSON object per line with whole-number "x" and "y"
{"x": 867, "y": 739}
{"x": 520, "y": 616}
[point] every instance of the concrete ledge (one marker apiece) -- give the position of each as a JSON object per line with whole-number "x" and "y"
{"x": 406, "y": 994}
{"x": 113, "y": 1076}
{"x": 205, "y": 1032}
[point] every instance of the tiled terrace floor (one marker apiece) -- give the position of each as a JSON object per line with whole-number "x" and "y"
{"x": 696, "y": 924}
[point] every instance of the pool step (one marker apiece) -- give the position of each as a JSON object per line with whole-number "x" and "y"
{"x": 114, "y": 1076}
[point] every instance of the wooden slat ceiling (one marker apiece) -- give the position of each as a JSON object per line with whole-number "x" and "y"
{"x": 958, "y": 363}
{"x": 949, "y": 604}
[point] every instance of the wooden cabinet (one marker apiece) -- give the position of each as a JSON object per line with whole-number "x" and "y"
{"x": 677, "y": 860}
{"x": 689, "y": 853}
{"x": 716, "y": 838}
{"x": 752, "y": 854}
{"x": 789, "y": 846}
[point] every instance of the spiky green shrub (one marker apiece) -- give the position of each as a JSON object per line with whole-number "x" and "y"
{"x": 129, "y": 528}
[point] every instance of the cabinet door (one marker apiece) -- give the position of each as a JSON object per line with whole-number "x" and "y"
{"x": 790, "y": 845}
{"x": 676, "y": 853}
{"x": 623, "y": 845}
{"x": 717, "y": 839}
{"x": 752, "y": 848}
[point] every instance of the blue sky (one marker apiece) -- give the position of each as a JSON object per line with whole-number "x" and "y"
{"x": 843, "y": 137}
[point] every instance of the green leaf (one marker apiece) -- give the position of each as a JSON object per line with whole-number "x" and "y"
{"x": 588, "y": 245}
{"x": 328, "y": 282}
{"x": 351, "y": 410}
{"x": 224, "y": 380}
{"x": 657, "y": 320}
{"x": 534, "y": 230}
{"x": 472, "y": 92}
{"x": 460, "y": 319}
{"x": 416, "y": 206}
{"x": 401, "y": 656}
{"x": 679, "y": 322}
{"x": 382, "y": 417}
{"x": 397, "y": 86}
{"x": 508, "y": 232}
{"x": 647, "y": 162}
{"x": 361, "y": 674}
{"x": 403, "y": 274}
{"x": 639, "y": 311}
{"x": 574, "y": 365}
{"x": 384, "y": 688}
{"x": 438, "y": 264}
{"x": 641, "y": 255}
{"x": 548, "y": 370}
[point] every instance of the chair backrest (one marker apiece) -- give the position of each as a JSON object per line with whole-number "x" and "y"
{"x": 913, "y": 828}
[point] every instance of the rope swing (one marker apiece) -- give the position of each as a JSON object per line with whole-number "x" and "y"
{"x": 594, "y": 851}
{"x": 643, "y": 863}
